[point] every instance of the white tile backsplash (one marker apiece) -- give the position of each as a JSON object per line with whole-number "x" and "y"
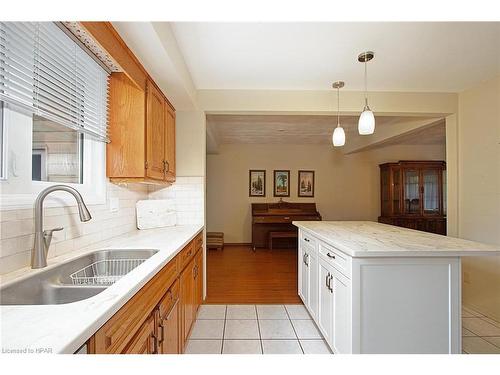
{"x": 188, "y": 196}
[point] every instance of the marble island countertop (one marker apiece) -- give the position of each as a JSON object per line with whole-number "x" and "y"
{"x": 64, "y": 328}
{"x": 371, "y": 239}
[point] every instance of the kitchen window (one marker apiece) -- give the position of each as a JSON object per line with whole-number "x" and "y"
{"x": 53, "y": 100}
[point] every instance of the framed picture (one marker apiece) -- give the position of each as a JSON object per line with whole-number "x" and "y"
{"x": 257, "y": 183}
{"x": 281, "y": 183}
{"x": 306, "y": 184}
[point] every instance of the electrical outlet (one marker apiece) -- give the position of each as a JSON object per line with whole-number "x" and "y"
{"x": 114, "y": 204}
{"x": 466, "y": 277}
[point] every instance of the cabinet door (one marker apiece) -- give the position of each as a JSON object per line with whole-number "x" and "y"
{"x": 169, "y": 143}
{"x": 198, "y": 282}
{"x": 155, "y": 133}
{"x": 325, "y": 308}
{"x": 431, "y": 191}
{"x": 304, "y": 279}
{"x": 411, "y": 191}
{"x": 170, "y": 332}
{"x": 313, "y": 284}
{"x": 341, "y": 337}
{"x": 302, "y": 273}
{"x": 187, "y": 298}
{"x": 144, "y": 341}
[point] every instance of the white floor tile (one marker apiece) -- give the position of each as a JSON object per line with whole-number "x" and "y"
{"x": 207, "y": 329}
{"x": 204, "y": 347}
{"x": 241, "y": 329}
{"x": 297, "y": 312}
{"x": 494, "y": 340}
{"x": 276, "y": 329}
{"x": 306, "y": 329}
{"x": 212, "y": 312}
{"x": 281, "y": 347}
{"x": 315, "y": 347}
{"x": 480, "y": 327}
{"x": 476, "y": 345}
{"x": 241, "y": 312}
{"x": 466, "y": 332}
{"x": 271, "y": 312}
{"x": 242, "y": 347}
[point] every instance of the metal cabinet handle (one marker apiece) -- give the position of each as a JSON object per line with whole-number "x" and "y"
{"x": 307, "y": 259}
{"x": 330, "y": 255}
{"x": 306, "y": 239}
{"x": 327, "y": 279}
{"x": 330, "y": 284}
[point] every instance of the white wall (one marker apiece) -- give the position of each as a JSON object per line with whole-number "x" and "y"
{"x": 479, "y": 191}
{"x": 347, "y": 186}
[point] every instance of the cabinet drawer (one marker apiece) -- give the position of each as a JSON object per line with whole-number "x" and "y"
{"x": 169, "y": 300}
{"x": 186, "y": 255}
{"x": 117, "y": 332}
{"x": 336, "y": 258}
{"x": 307, "y": 239}
{"x": 198, "y": 241}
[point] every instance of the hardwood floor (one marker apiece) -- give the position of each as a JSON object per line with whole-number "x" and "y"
{"x": 237, "y": 275}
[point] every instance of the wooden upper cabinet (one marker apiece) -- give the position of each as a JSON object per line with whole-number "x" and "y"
{"x": 155, "y": 134}
{"x": 170, "y": 143}
{"x": 142, "y": 133}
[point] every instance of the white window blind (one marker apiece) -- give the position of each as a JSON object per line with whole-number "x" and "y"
{"x": 46, "y": 72}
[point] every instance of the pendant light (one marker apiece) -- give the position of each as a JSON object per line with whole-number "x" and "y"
{"x": 366, "y": 123}
{"x": 338, "y": 136}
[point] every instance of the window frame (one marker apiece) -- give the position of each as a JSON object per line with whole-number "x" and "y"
{"x": 93, "y": 188}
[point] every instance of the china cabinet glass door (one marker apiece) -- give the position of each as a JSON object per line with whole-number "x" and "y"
{"x": 431, "y": 191}
{"x": 411, "y": 191}
{"x": 396, "y": 191}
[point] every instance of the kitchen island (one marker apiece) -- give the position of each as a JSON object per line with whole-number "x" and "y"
{"x": 377, "y": 288}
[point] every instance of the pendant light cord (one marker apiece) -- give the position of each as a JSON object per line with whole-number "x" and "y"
{"x": 366, "y": 83}
{"x": 338, "y": 107}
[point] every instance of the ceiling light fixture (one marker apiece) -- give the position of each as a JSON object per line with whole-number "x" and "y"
{"x": 338, "y": 137}
{"x": 366, "y": 123}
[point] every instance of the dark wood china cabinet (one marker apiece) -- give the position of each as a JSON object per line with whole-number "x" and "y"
{"x": 413, "y": 195}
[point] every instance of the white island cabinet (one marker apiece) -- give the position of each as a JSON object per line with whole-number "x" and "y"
{"x": 376, "y": 288}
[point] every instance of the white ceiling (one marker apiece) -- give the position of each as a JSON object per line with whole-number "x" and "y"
{"x": 306, "y": 129}
{"x": 431, "y": 57}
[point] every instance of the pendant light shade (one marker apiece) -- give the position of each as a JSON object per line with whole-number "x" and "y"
{"x": 338, "y": 137}
{"x": 366, "y": 123}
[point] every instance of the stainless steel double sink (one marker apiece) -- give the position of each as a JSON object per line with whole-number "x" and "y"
{"x": 57, "y": 286}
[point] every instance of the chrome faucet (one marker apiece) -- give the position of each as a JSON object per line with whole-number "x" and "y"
{"x": 44, "y": 237}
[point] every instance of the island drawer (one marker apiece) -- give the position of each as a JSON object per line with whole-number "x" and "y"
{"x": 307, "y": 239}
{"x": 335, "y": 257}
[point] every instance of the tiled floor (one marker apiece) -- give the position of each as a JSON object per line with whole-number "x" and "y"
{"x": 288, "y": 329}
{"x": 255, "y": 329}
{"x": 480, "y": 334}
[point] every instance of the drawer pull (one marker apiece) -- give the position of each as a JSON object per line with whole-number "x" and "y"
{"x": 330, "y": 255}
{"x": 306, "y": 239}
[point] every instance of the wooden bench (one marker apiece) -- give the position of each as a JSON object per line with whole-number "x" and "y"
{"x": 287, "y": 234}
{"x": 215, "y": 240}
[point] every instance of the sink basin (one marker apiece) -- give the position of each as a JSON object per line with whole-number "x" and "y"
{"x": 75, "y": 280}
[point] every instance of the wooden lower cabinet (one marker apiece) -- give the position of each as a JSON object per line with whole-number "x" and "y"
{"x": 158, "y": 318}
{"x": 191, "y": 293}
{"x": 144, "y": 341}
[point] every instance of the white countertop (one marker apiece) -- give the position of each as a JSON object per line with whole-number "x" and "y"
{"x": 64, "y": 328}
{"x": 371, "y": 239}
